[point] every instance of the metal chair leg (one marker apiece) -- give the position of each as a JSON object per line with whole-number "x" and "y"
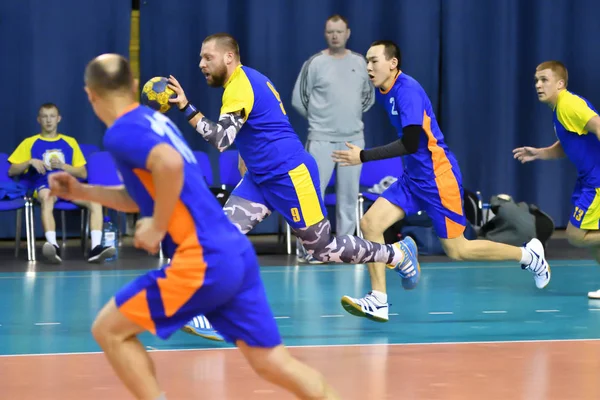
{"x": 18, "y": 232}
{"x": 63, "y": 219}
{"x": 360, "y": 204}
{"x": 29, "y": 225}
{"x": 288, "y": 235}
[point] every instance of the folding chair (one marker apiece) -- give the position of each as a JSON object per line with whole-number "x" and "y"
{"x": 204, "y": 164}
{"x": 102, "y": 170}
{"x": 18, "y": 204}
{"x": 229, "y": 175}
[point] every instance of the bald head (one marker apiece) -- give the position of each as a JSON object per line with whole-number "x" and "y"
{"x": 109, "y": 73}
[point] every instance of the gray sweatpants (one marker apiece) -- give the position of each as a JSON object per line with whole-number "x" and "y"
{"x": 347, "y": 181}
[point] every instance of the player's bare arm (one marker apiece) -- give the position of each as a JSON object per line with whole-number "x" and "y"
{"x": 18, "y": 169}
{"x": 593, "y": 125}
{"x": 78, "y": 172}
{"x": 527, "y": 154}
{"x": 64, "y": 185}
{"x": 166, "y": 167}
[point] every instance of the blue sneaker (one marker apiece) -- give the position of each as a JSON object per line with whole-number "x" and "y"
{"x": 199, "y": 326}
{"x": 409, "y": 268}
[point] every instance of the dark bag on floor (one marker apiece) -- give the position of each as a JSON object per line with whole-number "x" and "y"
{"x": 516, "y": 223}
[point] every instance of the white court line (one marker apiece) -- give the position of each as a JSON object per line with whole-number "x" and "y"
{"x": 282, "y": 317}
{"x": 543, "y": 311}
{"x": 46, "y": 323}
{"x": 494, "y": 312}
{"x": 318, "y": 346}
{"x": 441, "y": 313}
{"x": 265, "y": 270}
{"x": 393, "y": 314}
{"x": 594, "y": 309}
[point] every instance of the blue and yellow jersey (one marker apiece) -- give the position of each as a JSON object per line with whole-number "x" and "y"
{"x": 407, "y": 104}
{"x": 267, "y": 142}
{"x": 571, "y": 114}
{"x": 38, "y": 147}
{"x": 198, "y": 221}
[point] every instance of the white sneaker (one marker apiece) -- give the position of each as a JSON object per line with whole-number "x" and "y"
{"x": 538, "y": 266}
{"x": 594, "y": 295}
{"x": 368, "y": 307}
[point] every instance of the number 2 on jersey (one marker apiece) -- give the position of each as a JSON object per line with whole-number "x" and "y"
{"x": 276, "y": 96}
{"x": 393, "y": 103}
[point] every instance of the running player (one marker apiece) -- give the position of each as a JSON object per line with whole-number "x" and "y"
{"x": 577, "y": 127}
{"x": 281, "y": 175}
{"x": 431, "y": 182}
{"x": 213, "y": 268}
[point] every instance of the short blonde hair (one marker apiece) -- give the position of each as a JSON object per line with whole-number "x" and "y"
{"x": 557, "y": 67}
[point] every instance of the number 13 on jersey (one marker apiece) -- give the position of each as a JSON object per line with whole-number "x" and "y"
{"x": 276, "y": 96}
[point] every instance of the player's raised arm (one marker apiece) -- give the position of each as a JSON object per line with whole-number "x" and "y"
{"x": 221, "y": 133}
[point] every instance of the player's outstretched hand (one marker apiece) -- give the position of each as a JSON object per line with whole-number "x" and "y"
{"x": 526, "y": 154}
{"x": 181, "y": 100}
{"x": 146, "y": 236}
{"x": 64, "y": 185}
{"x": 347, "y": 157}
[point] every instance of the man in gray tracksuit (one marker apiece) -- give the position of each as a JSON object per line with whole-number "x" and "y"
{"x": 333, "y": 91}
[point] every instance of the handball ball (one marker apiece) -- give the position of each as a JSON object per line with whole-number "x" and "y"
{"x": 156, "y": 94}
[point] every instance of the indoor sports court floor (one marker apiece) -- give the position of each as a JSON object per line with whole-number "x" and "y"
{"x": 469, "y": 331}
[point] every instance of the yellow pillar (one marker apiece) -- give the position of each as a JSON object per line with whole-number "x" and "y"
{"x": 134, "y": 46}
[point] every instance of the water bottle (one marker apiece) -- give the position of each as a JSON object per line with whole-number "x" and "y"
{"x": 109, "y": 237}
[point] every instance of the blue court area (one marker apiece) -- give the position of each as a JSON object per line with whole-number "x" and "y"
{"x": 51, "y": 312}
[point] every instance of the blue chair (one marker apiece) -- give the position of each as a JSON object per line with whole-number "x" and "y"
{"x": 204, "y": 164}
{"x": 102, "y": 171}
{"x": 88, "y": 149}
{"x": 372, "y": 173}
{"x": 229, "y": 175}
{"x": 18, "y": 204}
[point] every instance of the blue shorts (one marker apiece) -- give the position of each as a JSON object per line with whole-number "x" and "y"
{"x": 586, "y": 200}
{"x": 441, "y": 199}
{"x": 295, "y": 194}
{"x": 225, "y": 287}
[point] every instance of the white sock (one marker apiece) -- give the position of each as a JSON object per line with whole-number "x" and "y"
{"x": 526, "y": 257}
{"x": 399, "y": 254}
{"x": 380, "y": 296}
{"x": 162, "y": 397}
{"x": 96, "y": 237}
{"x": 51, "y": 237}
